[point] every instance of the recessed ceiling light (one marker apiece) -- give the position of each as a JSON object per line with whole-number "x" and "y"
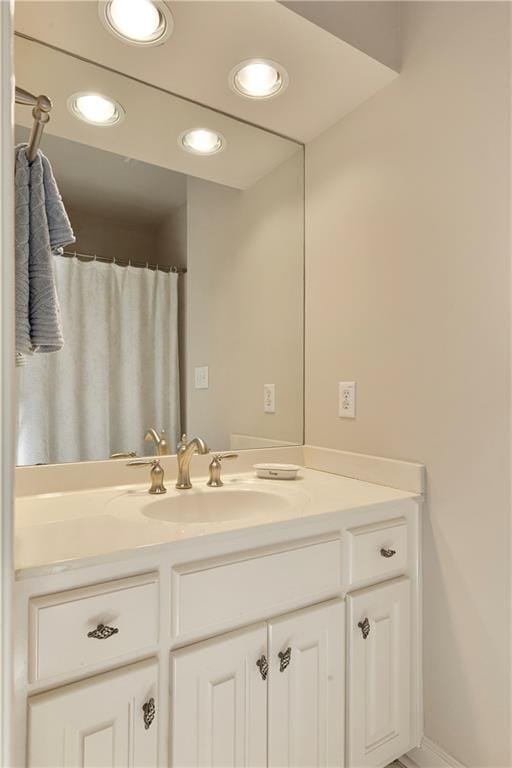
{"x": 96, "y": 109}
{"x": 202, "y": 141}
{"x": 258, "y": 79}
{"x": 140, "y": 22}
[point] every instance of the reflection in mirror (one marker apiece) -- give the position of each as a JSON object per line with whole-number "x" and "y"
{"x": 181, "y": 299}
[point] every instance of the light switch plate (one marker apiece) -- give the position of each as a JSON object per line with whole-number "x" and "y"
{"x": 269, "y": 398}
{"x": 201, "y": 377}
{"x": 347, "y": 399}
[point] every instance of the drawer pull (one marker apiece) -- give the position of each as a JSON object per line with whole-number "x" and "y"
{"x": 149, "y": 711}
{"x": 364, "y": 626}
{"x": 387, "y": 552}
{"x": 102, "y": 632}
{"x": 262, "y": 665}
{"x": 284, "y": 659}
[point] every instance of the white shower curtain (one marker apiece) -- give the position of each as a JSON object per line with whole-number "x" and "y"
{"x": 117, "y": 374}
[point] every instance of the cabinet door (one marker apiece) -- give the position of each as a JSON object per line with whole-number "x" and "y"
{"x": 306, "y": 687}
{"x": 219, "y": 702}
{"x": 97, "y": 723}
{"x": 379, "y": 674}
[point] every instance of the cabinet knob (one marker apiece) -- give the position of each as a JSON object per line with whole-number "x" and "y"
{"x": 103, "y": 632}
{"x": 262, "y": 665}
{"x": 387, "y": 552}
{"x": 284, "y": 659}
{"x": 364, "y": 626}
{"x": 149, "y": 711}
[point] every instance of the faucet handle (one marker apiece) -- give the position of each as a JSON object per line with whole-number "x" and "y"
{"x": 228, "y": 455}
{"x": 214, "y": 480}
{"x": 157, "y": 474}
{"x": 163, "y": 448}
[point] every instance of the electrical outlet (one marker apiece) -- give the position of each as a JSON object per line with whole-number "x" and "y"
{"x": 269, "y": 398}
{"x": 201, "y": 377}
{"x": 347, "y": 399}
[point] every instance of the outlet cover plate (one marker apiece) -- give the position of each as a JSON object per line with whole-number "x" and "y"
{"x": 201, "y": 377}
{"x": 347, "y": 399}
{"x": 269, "y": 398}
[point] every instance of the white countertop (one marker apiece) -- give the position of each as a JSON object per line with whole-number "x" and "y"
{"x": 58, "y": 531}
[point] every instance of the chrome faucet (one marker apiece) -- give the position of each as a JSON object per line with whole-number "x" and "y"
{"x": 186, "y": 450}
{"x": 159, "y": 441}
{"x": 156, "y": 474}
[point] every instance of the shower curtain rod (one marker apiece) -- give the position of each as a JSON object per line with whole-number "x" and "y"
{"x": 122, "y": 262}
{"x": 41, "y": 114}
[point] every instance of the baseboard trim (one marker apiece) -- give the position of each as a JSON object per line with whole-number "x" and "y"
{"x": 429, "y": 755}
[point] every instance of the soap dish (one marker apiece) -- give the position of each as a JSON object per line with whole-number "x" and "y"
{"x": 277, "y": 471}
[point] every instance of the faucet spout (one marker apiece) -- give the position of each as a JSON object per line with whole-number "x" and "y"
{"x": 186, "y": 450}
{"x": 159, "y": 441}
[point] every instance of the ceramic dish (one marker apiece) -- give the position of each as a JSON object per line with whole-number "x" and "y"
{"x": 277, "y": 471}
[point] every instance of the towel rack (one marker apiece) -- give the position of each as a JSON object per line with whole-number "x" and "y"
{"x": 41, "y": 114}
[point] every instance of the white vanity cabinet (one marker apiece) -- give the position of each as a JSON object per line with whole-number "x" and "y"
{"x": 219, "y": 702}
{"x": 108, "y": 720}
{"x": 291, "y": 646}
{"x": 75, "y": 630}
{"x": 379, "y": 677}
{"x": 306, "y": 687}
{"x": 279, "y": 683}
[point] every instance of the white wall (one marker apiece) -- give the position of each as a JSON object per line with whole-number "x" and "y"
{"x": 162, "y": 241}
{"x": 245, "y": 306}
{"x": 171, "y": 243}
{"x": 112, "y": 237}
{"x": 172, "y": 246}
{"x": 408, "y": 293}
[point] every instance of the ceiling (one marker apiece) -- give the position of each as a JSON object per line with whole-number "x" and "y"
{"x": 153, "y": 122}
{"x": 121, "y": 187}
{"x": 372, "y": 26}
{"x": 328, "y": 77}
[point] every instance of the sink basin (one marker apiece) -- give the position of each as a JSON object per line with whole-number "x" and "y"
{"x": 216, "y": 505}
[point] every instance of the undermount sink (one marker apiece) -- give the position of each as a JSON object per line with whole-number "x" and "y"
{"x": 216, "y": 505}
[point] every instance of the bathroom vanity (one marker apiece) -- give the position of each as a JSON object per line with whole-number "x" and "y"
{"x": 262, "y": 623}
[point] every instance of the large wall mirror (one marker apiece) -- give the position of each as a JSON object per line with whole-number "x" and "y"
{"x": 182, "y": 298}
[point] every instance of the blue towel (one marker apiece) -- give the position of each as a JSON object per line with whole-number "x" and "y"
{"x": 42, "y": 228}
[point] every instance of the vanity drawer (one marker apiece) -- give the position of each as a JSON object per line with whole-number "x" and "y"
{"x": 377, "y": 550}
{"x": 71, "y": 631}
{"x": 232, "y": 591}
